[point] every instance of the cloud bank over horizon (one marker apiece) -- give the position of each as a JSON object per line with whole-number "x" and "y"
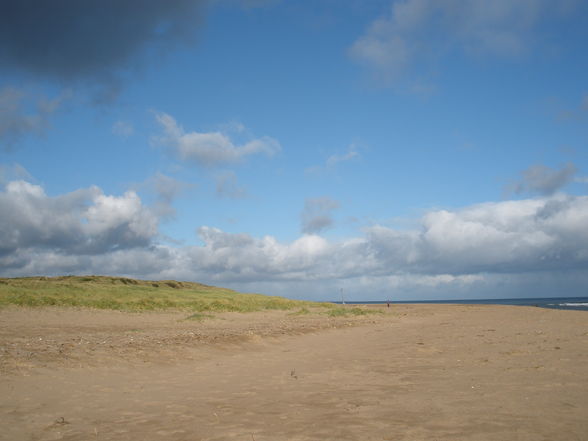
{"x": 529, "y": 241}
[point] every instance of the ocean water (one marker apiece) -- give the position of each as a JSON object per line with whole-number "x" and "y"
{"x": 573, "y": 303}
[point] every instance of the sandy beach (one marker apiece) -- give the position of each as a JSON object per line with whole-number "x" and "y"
{"x": 414, "y": 372}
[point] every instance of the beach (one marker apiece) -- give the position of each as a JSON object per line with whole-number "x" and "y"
{"x": 411, "y": 372}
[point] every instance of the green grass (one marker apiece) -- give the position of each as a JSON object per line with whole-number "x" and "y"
{"x": 123, "y": 294}
{"x": 345, "y": 312}
{"x": 302, "y": 311}
{"x": 199, "y": 316}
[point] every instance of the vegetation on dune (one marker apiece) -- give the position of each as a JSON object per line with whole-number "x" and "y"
{"x": 356, "y": 311}
{"x": 124, "y": 294}
{"x": 199, "y": 316}
{"x": 301, "y": 311}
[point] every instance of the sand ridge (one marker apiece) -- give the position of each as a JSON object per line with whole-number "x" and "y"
{"x": 420, "y": 372}
{"x": 54, "y": 337}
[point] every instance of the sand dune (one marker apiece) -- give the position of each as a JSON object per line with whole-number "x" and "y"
{"x": 426, "y": 372}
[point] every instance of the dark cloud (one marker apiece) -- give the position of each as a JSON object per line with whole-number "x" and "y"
{"x": 92, "y": 45}
{"x": 71, "y": 40}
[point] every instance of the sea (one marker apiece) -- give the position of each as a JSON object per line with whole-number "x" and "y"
{"x": 573, "y": 303}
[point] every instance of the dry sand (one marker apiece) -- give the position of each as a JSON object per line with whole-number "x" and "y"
{"x": 416, "y": 372}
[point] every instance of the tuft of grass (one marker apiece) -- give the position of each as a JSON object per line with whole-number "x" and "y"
{"x": 199, "y": 316}
{"x": 124, "y": 294}
{"x": 301, "y": 311}
{"x": 345, "y": 312}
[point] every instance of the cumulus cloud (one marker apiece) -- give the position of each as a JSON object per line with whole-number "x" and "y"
{"x": 235, "y": 257}
{"x": 492, "y": 249}
{"x": 85, "y": 221}
{"x": 512, "y": 237}
{"x": 317, "y": 214}
{"x": 209, "y": 149}
{"x": 545, "y": 180}
{"x": 419, "y": 31}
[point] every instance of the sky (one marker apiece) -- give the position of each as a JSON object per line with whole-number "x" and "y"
{"x": 403, "y": 150}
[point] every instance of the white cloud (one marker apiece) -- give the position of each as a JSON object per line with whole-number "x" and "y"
{"x": 513, "y": 237}
{"x": 110, "y": 213}
{"x": 235, "y": 257}
{"x": 421, "y": 31}
{"x": 210, "y": 148}
{"x": 82, "y": 222}
{"x": 493, "y": 249}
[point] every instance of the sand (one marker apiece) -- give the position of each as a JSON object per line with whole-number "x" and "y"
{"x": 415, "y": 372}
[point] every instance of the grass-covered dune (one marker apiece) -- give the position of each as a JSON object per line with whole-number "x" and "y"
{"x": 124, "y": 294}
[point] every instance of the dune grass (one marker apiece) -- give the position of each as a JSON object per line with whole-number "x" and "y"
{"x": 199, "y": 316}
{"x": 355, "y": 311}
{"x": 301, "y": 311}
{"x": 124, "y": 294}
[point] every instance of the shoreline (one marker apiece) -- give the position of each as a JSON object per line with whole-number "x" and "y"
{"x": 567, "y": 303}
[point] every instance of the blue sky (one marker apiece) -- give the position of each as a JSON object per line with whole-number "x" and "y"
{"x": 413, "y": 149}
